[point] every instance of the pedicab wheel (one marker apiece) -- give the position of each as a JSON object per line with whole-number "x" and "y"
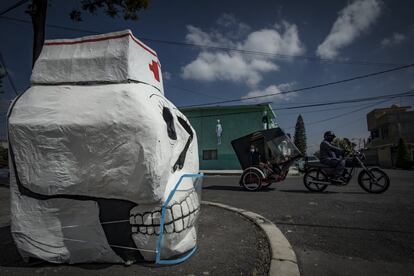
{"x": 251, "y": 180}
{"x": 375, "y": 182}
{"x": 310, "y": 178}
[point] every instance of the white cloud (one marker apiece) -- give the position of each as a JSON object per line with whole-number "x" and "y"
{"x": 197, "y": 36}
{"x": 395, "y": 38}
{"x": 353, "y": 20}
{"x": 166, "y": 75}
{"x": 212, "y": 65}
{"x": 274, "y": 90}
{"x": 284, "y": 39}
{"x": 233, "y": 28}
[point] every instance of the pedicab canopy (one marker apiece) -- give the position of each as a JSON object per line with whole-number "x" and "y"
{"x": 273, "y": 145}
{"x": 103, "y": 167}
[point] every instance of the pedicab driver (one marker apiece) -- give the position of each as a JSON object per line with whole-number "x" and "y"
{"x": 255, "y": 157}
{"x": 332, "y": 155}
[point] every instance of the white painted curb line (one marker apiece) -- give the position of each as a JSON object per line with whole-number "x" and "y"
{"x": 283, "y": 259}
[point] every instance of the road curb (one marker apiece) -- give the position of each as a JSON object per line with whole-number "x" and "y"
{"x": 283, "y": 258}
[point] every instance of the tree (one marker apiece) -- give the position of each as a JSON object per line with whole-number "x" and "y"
{"x": 38, "y": 11}
{"x": 300, "y": 135}
{"x": 344, "y": 144}
{"x": 403, "y": 159}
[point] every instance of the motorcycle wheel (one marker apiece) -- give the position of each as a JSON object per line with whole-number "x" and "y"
{"x": 251, "y": 180}
{"x": 377, "y": 184}
{"x": 315, "y": 175}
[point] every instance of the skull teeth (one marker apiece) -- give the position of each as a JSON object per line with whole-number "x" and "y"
{"x": 178, "y": 217}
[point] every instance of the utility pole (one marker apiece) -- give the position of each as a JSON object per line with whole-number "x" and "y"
{"x": 2, "y": 75}
{"x": 37, "y": 12}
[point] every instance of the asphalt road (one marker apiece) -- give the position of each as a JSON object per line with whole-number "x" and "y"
{"x": 343, "y": 231}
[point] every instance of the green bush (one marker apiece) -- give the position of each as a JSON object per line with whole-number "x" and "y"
{"x": 3, "y": 153}
{"x": 403, "y": 159}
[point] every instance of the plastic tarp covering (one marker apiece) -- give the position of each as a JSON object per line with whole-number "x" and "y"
{"x": 93, "y": 163}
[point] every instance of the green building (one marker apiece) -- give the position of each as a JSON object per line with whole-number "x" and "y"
{"x": 235, "y": 121}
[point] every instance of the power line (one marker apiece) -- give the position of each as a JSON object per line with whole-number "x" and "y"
{"x": 347, "y": 113}
{"x": 409, "y": 93}
{"x": 195, "y": 92}
{"x": 267, "y": 54}
{"x": 350, "y": 122}
{"x": 312, "y": 86}
{"x": 341, "y": 115}
{"x": 50, "y": 25}
{"x": 224, "y": 48}
{"x": 12, "y": 7}
{"x": 8, "y": 75}
{"x": 221, "y": 48}
{"x": 323, "y": 110}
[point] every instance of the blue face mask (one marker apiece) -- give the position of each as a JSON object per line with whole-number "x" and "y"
{"x": 197, "y": 180}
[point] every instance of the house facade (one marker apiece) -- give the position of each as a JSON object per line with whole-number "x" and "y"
{"x": 386, "y": 127}
{"x": 217, "y": 126}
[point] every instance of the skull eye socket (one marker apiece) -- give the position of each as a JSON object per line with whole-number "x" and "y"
{"x": 169, "y": 119}
{"x": 181, "y": 159}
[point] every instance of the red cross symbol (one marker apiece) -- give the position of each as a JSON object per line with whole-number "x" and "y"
{"x": 154, "y": 68}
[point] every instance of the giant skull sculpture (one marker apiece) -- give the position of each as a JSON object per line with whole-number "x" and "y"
{"x": 96, "y": 149}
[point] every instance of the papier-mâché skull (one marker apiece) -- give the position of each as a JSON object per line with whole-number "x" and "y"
{"x": 95, "y": 150}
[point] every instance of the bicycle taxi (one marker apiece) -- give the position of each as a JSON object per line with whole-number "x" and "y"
{"x": 277, "y": 153}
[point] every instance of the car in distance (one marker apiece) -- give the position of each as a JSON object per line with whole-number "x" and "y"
{"x": 301, "y": 163}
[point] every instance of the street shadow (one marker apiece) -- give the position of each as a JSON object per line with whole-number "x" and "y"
{"x": 235, "y": 188}
{"x": 324, "y": 192}
{"x": 342, "y": 227}
{"x": 306, "y": 192}
{"x": 10, "y": 256}
{"x": 356, "y": 193}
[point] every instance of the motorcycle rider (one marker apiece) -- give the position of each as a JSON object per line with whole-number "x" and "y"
{"x": 332, "y": 156}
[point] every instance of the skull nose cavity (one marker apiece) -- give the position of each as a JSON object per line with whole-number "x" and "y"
{"x": 178, "y": 217}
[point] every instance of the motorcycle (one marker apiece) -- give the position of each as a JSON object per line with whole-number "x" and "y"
{"x": 372, "y": 180}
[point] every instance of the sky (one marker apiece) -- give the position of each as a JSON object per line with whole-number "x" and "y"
{"x": 329, "y": 41}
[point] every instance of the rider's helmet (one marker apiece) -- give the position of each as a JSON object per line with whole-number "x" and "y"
{"x": 329, "y": 136}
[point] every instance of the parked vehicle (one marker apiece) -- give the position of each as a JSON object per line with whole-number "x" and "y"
{"x": 302, "y": 162}
{"x": 372, "y": 180}
{"x": 277, "y": 153}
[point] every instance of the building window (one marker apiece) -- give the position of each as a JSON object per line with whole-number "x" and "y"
{"x": 384, "y": 133}
{"x": 209, "y": 154}
{"x": 374, "y": 133}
